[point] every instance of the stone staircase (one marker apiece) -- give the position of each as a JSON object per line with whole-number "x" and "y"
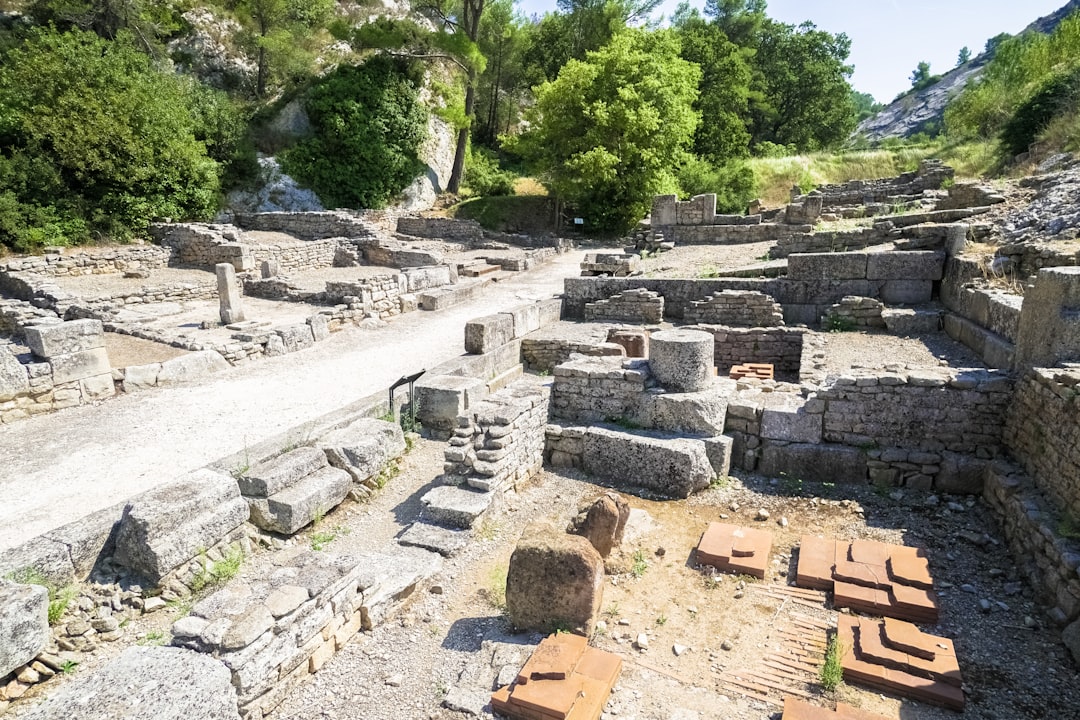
{"x": 292, "y": 490}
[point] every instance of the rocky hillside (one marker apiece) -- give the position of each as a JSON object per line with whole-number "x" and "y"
{"x": 924, "y": 110}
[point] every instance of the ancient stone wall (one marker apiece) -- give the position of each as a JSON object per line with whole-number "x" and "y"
{"x": 381, "y": 295}
{"x": 598, "y": 389}
{"x": 203, "y": 245}
{"x": 104, "y": 261}
{"x": 636, "y": 305}
{"x": 1032, "y": 524}
{"x": 441, "y": 228}
{"x": 736, "y": 307}
{"x": 781, "y": 347}
{"x": 499, "y": 442}
{"x": 854, "y": 313}
{"x": 310, "y": 225}
{"x": 543, "y": 354}
{"x": 930, "y": 176}
{"x": 1043, "y": 433}
{"x": 17, "y": 314}
{"x": 152, "y": 294}
{"x": 292, "y": 257}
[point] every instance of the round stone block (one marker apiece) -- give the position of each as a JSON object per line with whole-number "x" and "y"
{"x": 681, "y": 360}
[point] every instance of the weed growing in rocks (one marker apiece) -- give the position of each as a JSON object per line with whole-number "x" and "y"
{"x": 59, "y": 597}
{"x": 640, "y": 564}
{"x": 212, "y": 574}
{"x": 832, "y": 672}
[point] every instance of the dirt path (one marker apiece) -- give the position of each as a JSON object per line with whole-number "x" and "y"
{"x": 57, "y": 468}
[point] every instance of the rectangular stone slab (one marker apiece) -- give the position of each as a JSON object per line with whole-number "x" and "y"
{"x": 816, "y": 561}
{"x": 720, "y": 541}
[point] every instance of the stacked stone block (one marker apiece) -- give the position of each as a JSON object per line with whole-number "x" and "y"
{"x": 854, "y": 313}
{"x": 745, "y": 308}
{"x": 288, "y": 492}
{"x": 204, "y": 245}
{"x": 272, "y": 634}
{"x": 596, "y": 389}
{"x": 467, "y": 231}
{"x": 930, "y": 176}
{"x": 91, "y": 262}
{"x": 76, "y": 354}
{"x": 543, "y": 354}
{"x": 310, "y": 225}
{"x": 637, "y": 306}
{"x": 500, "y": 441}
{"x": 780, "y": 347}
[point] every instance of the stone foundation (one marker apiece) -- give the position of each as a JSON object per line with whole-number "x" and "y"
{"x": 744, "y": 308}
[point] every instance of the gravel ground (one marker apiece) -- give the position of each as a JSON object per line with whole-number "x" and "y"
{"x": 96, "y": 286}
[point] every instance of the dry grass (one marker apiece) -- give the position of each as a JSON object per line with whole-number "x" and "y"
{"x": 529, "y": 186}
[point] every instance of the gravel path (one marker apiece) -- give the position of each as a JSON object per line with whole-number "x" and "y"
{"x": 58, "y": 467}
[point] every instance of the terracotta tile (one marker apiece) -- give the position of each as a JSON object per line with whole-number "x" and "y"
{"x": 555, "y": 698}
{"x": 849, "y": 712}
{"x": 817, "y": 556}
{"x": 861, "y": 574}
{"x": 907, "y": 638}
{"x": 599, "y": 665}
{"x": 795, "y": 709}
{"x": 718, "y": 543}
{"x": 870, "y": 639}
{"x": 870, "y": 552}
{"x": 910, "y": 566}
{"x": 554, "y": 658}
{"x": 591, "y": 701}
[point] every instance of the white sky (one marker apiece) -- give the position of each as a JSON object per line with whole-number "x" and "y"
{"x": 890, "y": 37}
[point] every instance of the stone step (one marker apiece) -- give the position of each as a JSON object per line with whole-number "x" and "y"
{"x": 455, "y": 506}
{"x": 505, "y": 378}
{"x": 436, "y": 538}
{"x": 273, "y": 476}
{"x": 449, "y": 296}
{"x": 294, "y": 507}
{"x": 478, "y": 270}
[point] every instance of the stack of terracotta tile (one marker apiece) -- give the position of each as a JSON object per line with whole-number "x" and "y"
{"x": 871, "y": 577}
{"x": 730, "y": 548}
{"x": 761, "y": 371}
{"x": 565, "y": 679}
{"x": 896, "y": 656}
{"x": 795, "y": 709}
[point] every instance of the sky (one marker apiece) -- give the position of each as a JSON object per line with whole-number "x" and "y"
{"x": 890, "y": 37}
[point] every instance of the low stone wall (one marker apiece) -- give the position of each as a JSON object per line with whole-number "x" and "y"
{"x": 736, "y": 307}
{"x": 441, "y": 228}
{"x": 105, "y": 261}
{"x": 1043, "y": 433}
{"x": 380, "y": 295}
{"x": 178, "y": 292}
{"x": 309, "y": 225}
{"x": 636, "y": 306}
{"x": 589, "y": 390}
{"x": 780, "y": 347}
{"x": 1031, "y": 523}
{"x": 1026, "y": 259}
{"x": 499, "y": 442}
{"x": 930, "y": 176}
{"x": 543, "y": 354}
{"x": 291, "y": 257}
{"x": 204, "y": 245}
{"x": 17, "y": 314}
{"x": 854, "y": 313}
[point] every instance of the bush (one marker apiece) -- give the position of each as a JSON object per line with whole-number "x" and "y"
{"x": 484, "y": 176}
{"x": 368, "y": 126}
{"x": 1056, "y": 96}
{"x": 732, "y": 182}
{"x": 94, "y": 141}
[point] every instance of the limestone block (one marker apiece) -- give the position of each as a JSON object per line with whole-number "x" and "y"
{"x": 485, "y": 334}
{"x": 14, "y": 379}
{"x": 85, "y": 539}
{"x": 49, "y": 558}
{"x": 719, "y": 450}
{"x": 147, "y": 683}
{"x": 681, "y": 360}
{"x": 664, "y": 210}
{"x": 97, "y": 387}
{"x": 140, "y": 377}
{"x": 229, "y": 296}
{"x": 526, "y": 319}
{"x": 408, "y": 303}
{"x": 789, "y": 422}
{"x": 915, "y": 265}
{"x": 1050, "y": 319}
{"x": 296, "y": 506}
{"x": 961, "y": 474}
{"x": 555, "y": 580}
{"x": 24, "y": 624}
{"x": 673, "y": 467}
{"x": 817, "y": 463}
{"x": 364, "y": 447}
{"x": 827, "y": 266}
{"x": 602, "y": 522}
{"x": 295, "y": 337}
{"x": 79, "y": 365}
{"x": 191, "y": 367}
{"x": 65, "y": 338}
{"x": 320, "y": 327}
{"x": 453, "y": 506}
{"x": 440, "y": 399}
{"x": 907, "y": 292}
{"x": 169, "y": 525}
{"x": 634, "y": 342}
{"x": 424, "y": 278}
{"x": 276, "y": 474}
{"x": 697, "y": 413}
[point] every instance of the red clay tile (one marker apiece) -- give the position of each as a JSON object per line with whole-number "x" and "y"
{"x": 554, "y": 658}
{"x": 795, "y": 709}
{"x": 861, "y": 574}
{"x": 817, "y": 557}
{"x": 909, "y": 566}
{"x": 870, "y": 552}
{"x": 599, "y": 665}
{"x": 849, "y": 712}
{"x": 907, "y": 638}
{"x": 720, "y": 541}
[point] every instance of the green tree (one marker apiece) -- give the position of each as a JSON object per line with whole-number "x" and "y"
{"x": 503, "y": 39}
{"x": 964, "y": 56}
{"x": 723, "y": 100}
{"x": 146, "y": 20}
{"x": 95, "y": 140}
{"x": 865, "y": 105}
{"x": 804, "y": 98}
{"x": 368, "y": 126}
{"x": 607, "y": 132}
{"x": 279, "y": 32}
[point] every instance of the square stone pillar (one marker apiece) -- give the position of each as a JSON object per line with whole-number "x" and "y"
{"x": 1050, "y": 320}
{"x": 229, "y": 296}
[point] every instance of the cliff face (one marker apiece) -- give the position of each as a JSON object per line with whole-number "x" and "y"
{"x": 924, "y": 110}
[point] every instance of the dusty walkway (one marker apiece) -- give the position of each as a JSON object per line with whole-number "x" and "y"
{"x": 59, "y": 467}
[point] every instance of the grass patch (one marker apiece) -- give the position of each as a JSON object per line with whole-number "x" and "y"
{"x": 661, "y": 619}
{"x": 612, "y": 610}
{"x": 59, "y": 597}
{"x": 488, "y": 529}
{"x": 508, "y": 213}
{"x": 831, "y": 675}
{"x": 68, "y": 666}
{"x": 212, "y": 574}
{"x": 721, "y": 482}
{"x": 624, "y": 422}
{"x": 495, "y": 590}
{"x": 641, "y": 565}
{"x": 838, "y": 323}
{"x": 154, "y": 638}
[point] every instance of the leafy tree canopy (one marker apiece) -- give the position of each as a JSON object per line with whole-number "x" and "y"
{"x": 606, "y": 133}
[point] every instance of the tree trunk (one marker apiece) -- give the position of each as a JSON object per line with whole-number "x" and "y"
{"x": 456, "y": 175}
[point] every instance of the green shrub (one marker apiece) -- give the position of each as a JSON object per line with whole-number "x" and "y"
{"x": 832, "y": 671}
{"x": 1057, "y": 95}
{"x": 368, "y": 126}
{"x": 732, "y": 182}
{"x": 484, "y": 177}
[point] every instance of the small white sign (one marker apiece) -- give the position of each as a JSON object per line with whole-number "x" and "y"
{"x": 579, "y": 221}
